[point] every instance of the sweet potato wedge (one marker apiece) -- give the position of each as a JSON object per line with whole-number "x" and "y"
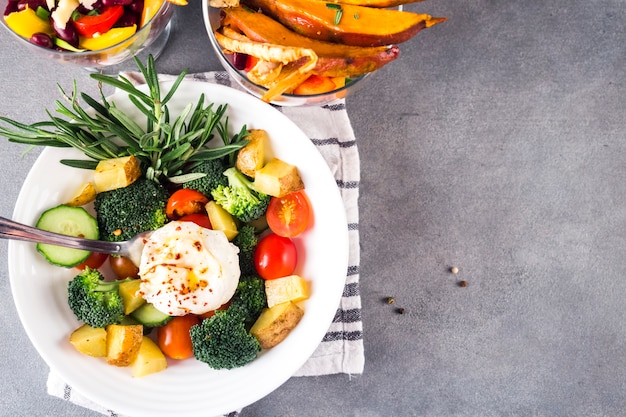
{"x": 334, "y": 60}
{"x": 344, "y": 23}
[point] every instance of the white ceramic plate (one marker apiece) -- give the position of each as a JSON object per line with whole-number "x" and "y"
{"x": 187, "y": 388}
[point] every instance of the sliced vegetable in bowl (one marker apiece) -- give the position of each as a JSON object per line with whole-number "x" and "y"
{"x": 293, "y": 52}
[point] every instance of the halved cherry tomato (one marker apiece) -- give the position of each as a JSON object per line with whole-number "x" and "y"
{"x": 315, "y": 84}
{"x": 174, "y": 339}
{"x": 275, "y": 256}
{"x": 211, "y": 313}
{"x": 200, "y": 219}
{"x": 123, "y": 267}
{"x": 88, "y": 26}
{"x": 185, "y": 201}
{"x": 94, "y": 261}
{"x": 288, "y": 216}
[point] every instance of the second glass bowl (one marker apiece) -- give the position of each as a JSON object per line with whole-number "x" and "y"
{"x": 211, "y": 18}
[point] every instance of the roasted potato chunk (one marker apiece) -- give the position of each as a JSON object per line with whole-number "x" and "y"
{"x": 123, "y": 343}
{"x": 290, "y": 288}
{"x": 116, "y": 173}
{"x": 221, "y": 220}
{"x": 252, "y": 156}
{"x": 129, "y": 291}
{"x": 275, "y": 323}
{"x": 278, "y": 178}
{"x": 90, "y": 341}
{"x": 149, "y": 359}
{"x": 84, "y": 194}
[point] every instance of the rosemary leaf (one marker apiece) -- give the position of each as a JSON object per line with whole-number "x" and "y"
{"x": 128, "y": 123}
{"x": 77, "y": 163}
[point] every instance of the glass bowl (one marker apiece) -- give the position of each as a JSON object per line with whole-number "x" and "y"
{"x": 153, "y": 34}
{"x": 211, "y": 16}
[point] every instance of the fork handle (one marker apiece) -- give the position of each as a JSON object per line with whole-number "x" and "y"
{"x": 10, "y": 229}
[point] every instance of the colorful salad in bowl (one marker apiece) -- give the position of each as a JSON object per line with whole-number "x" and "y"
{"x": 233, "y": 269}
{"x": 89, "y": 33}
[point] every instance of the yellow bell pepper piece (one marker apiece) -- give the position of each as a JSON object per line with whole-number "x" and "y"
{"x": 110, "y": 38}
{"x": 26, "y": 23}
{"x": 150, "y": 8}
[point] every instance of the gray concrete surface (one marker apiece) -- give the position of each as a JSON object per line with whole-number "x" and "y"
{"x": 497, "y": 144}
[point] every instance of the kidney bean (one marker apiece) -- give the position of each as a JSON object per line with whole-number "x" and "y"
{"x": 68, "y": 34}
{"x": 11, "y": 7}
{"x": 129, "y": 18}
{"x": 42, "y": 39}
{"x": 136, "y": 6}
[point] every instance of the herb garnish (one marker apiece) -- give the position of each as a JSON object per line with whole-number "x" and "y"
{"x": 167, "y": 150}
{"x": 338, "y": 11}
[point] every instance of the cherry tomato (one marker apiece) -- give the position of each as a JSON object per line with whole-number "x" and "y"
{"x": 275, "y": 257}
{"x": 123, "y": 267}
{"x": 200, "y": 219}
{"x": 288, "y": 216}
{"x": 88, "y": 26}
{"x": 94, "y": 261}
{"x": 185, "y": 201}
{"x": 174, "y": 339}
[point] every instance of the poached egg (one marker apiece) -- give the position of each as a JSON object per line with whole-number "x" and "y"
{"x": 187, "y": 269}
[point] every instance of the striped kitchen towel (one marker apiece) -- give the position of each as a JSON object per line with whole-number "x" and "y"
{"x": 329, "y": 128}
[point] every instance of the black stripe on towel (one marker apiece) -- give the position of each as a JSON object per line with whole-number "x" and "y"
{"x": 351, "y": 290}
{"x": 335, "y": 107}
{"x": 347, "y": 316}
{"x": 334, "y": 141}
{"x": 348, "y": 184}
{"x": 334, "y": 336}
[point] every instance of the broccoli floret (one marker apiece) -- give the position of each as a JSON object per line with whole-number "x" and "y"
{"x": 124, "y": 212}
{"x": 223, "y": 342}
{"x": 246, "y": 240}
{"x": 214, "y": 170}
{"x": 240, "y": 198}
{"x": 95, "y": 301}
{"x": 249, "y": 299}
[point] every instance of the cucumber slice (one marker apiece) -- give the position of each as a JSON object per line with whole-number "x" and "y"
{"x": 70, "y": 221}
{"x": 149, "y": 316}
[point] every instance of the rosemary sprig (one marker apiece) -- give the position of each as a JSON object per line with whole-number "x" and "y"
{"x": 166, "y": 149}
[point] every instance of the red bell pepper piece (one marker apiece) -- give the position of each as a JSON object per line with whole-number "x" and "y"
{"x": 88, "y": 26}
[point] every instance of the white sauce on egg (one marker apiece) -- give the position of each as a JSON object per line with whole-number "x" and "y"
{"x": 187, "y": 269}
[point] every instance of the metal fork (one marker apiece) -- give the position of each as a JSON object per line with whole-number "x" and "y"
{"x": 132, "y": 248}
